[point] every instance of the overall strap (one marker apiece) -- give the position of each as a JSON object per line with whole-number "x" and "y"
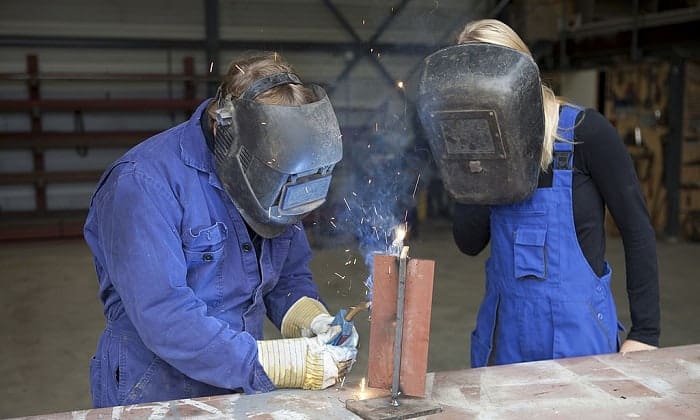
{"x": 564, "y": 150}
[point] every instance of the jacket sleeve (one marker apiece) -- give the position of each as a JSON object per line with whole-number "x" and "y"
{"x": 138, "y": 220}
{"x": 613, "y": 172}
{"x": 295, "y": 279}
{"x": 471, "y": 227}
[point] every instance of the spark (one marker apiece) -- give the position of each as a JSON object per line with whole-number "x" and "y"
{"x": 263, "y": 123}
{"x": 341, "y": 277}
{"x": 348, "y": 262}
{"x": 363, "y": 21}
{"x": 240, "y": 69}
{"x": 331, "y": 222}
{"x": 211, "y": 66}
{"x": 399, "y": 84}
{"x": 375, "y": 210}
{"x": 405, "y": 216}
{"x": 376, "y": 128}
{"x": 347, "y": 250}
{"x": 379, "y": 55}
{"x": 354, "y": 193}
{"x": 297, "y": 227}
{"x": 362, "y": 220}
{"x": 416, "y": 187}
{"x": 370, "y": 181}
{"x": 346, "y": 204}
{"x": 371, "y": 50}
{"x": 354, "y": 261}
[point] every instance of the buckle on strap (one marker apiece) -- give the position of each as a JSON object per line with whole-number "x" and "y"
{"x": 563, "y": 160}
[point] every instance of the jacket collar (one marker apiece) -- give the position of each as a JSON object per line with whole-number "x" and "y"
{"x": 193, "y": 146}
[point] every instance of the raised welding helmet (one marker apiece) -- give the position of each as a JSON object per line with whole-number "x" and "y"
{"x": 275, "y": 161}
{"x": 481, "y": 109}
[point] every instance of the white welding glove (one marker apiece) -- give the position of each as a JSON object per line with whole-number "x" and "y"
{"x": 322, "y": 324}
{"x": 297, "y": 321}
{"x": 307, "y": 318}
{"x": 307, "y": 363}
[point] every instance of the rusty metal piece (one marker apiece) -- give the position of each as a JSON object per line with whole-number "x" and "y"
{"x": 377, "y": 408}
{"x": 416, "y": 324}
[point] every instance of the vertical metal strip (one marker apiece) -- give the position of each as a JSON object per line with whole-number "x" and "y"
{"x": 398, "y": 338}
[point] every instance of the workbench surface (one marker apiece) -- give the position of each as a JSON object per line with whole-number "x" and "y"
{"x": 659, "y": 384}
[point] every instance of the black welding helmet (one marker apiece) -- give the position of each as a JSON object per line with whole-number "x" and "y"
{"x": 481, "y": 108}
{"x": 275, "y": 161}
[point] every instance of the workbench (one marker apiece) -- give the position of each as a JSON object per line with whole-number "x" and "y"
{"x": 659, "y": 384}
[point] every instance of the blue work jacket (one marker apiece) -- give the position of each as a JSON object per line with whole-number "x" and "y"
{"x": 543, "y": 300}
{"x": 184, "y": 293}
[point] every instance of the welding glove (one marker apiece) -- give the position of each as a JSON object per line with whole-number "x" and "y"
{"x": 308, "y": 317}
{"x": 307, "y": 363}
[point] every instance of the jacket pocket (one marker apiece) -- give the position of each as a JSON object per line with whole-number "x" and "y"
{"x": 529, "y": 253}
{"x": 142, "y": 391}
{"x": 205, "y": 251}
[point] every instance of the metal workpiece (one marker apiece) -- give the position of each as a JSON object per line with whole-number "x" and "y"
{"x": 415, "y": 321}
{"x": 659, "y": 384}
{"x": 398, "y": 338}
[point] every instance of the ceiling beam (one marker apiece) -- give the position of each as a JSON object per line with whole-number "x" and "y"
{"x": 368, "y": 46}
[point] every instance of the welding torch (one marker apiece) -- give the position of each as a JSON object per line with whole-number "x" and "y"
{"x": 344, "y": 319}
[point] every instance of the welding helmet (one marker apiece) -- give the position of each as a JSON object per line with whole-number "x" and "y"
{"x": 481, "y": 108}
{"x": 275, "y": 161}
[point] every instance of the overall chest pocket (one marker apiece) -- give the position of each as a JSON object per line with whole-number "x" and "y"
{"x": 529, "y": 253}
{"x": 205, "y": 251}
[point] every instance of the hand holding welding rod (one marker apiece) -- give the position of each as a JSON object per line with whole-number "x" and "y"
{"x": 348, "y": 335}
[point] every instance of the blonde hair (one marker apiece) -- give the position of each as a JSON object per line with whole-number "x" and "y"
{"x": 494, "y": 31}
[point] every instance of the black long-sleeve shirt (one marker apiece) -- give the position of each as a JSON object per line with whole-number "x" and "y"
{"x": 603, "y": 176}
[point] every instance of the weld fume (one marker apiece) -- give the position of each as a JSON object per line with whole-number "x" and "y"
{"x": 383, "y": 196}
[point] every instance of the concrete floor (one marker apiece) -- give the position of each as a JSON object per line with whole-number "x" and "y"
{"x": 50, "y": 317}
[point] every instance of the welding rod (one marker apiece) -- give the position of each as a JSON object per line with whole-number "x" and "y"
{"x": 399, "y": 326}
{"x": 354, "y": 310}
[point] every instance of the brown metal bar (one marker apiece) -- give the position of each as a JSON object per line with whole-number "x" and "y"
{"x": 42, "y": 177}
{"x": 90, "y": 76}
{"x": 14, "y": 105}
{"x": 16, "y": 225}
{"x": 416, "y": 324}
{"x": 63, "y": 140}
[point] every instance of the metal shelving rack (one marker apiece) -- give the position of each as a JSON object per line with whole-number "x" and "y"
{"x": 43, "y": 222}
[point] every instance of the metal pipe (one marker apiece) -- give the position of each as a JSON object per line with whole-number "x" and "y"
{"x": 399, "y": 326}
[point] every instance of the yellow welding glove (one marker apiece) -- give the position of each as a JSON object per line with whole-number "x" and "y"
{"x": 307, "y": 363}
{"x": 306, "y": 318}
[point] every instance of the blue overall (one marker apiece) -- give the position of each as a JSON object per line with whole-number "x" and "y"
{"x": 542, "y": 299}
{"x": 184, "y": 293}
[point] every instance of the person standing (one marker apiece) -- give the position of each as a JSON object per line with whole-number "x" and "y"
{"x": 547, "y": 281}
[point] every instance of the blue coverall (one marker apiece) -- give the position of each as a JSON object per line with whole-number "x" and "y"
{"x": 542, "y": 299}
{"x": 183, "y": 293}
